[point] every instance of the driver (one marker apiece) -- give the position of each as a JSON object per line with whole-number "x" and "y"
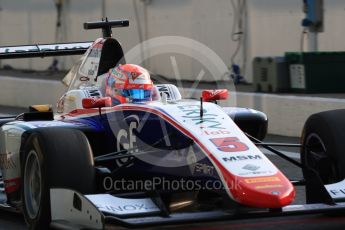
{"x": 128, "y": 83}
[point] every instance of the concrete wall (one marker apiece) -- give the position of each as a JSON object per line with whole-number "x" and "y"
{"x": 24, "y": 92}
{"x": 273, "y": 27}
{"x": 287, "y": 114}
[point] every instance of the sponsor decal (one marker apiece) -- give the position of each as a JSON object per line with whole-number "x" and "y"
{"x": 268, "y": 186}
{"x": 209, "y": 120}
{"x": 216, "y": 132}
{"x": 84, "y": 78}
{"x": 122, "y": 206}
{"x": 262, "y": 180}
{"x": 164, "y": 89}
{"x": 126, "y": 139}
{"x": 95, "y": 53}
{"x": 94, "y": 93}
{"x": 251, "y": 167}
{"x": 229, "y": 144}
{"x": 337, "y": 192}
{"x": 256, "y": 173}
{"x": 90, "y": 72}
{"x": 52, "y": 47}
{"x": 242, "y": 158}
{"x": 125, "y": 208}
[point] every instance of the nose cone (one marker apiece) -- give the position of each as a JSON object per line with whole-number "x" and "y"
{"x": 263, "y": 192}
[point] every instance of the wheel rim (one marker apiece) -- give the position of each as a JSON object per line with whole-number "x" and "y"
{"x": 316, "y": 158}
{"x": 32, "y": 184}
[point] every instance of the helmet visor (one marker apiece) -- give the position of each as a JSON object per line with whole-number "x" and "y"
{"x": 138, "y": 94}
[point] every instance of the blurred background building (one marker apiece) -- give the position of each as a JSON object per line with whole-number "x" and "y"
{"x": 237, "y": 30}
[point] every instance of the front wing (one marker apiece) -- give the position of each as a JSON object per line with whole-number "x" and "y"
{"x": 70, "y": 209}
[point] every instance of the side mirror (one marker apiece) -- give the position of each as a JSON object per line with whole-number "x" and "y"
{"x": 214, "y": 95}
{"x": 90, "y": 103}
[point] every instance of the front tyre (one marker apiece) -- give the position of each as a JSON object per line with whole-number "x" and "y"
{"x": 53, "y": 157}
{"x": 323, "y": 149}
{"x": 32, "y": 188}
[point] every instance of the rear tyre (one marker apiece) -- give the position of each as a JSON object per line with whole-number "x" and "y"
{"x": 323, "y": 139}
{"x": 53, "y": 157}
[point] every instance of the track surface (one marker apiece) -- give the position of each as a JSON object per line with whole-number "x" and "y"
{"x": 305, "y": 222}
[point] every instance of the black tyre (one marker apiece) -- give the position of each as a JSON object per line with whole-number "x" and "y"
{"x": 53, "y": 157}
{"x": 323, "y": 139}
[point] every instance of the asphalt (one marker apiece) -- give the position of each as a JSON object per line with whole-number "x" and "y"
{"x": 305, "y": 222}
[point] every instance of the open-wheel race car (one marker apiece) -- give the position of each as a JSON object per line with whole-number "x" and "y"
{"x": 159, "y": 161}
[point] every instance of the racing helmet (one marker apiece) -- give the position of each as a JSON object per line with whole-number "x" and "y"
{"x": 129, "y": 83}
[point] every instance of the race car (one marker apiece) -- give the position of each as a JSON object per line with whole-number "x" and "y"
{"x": 166, "y": 160}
